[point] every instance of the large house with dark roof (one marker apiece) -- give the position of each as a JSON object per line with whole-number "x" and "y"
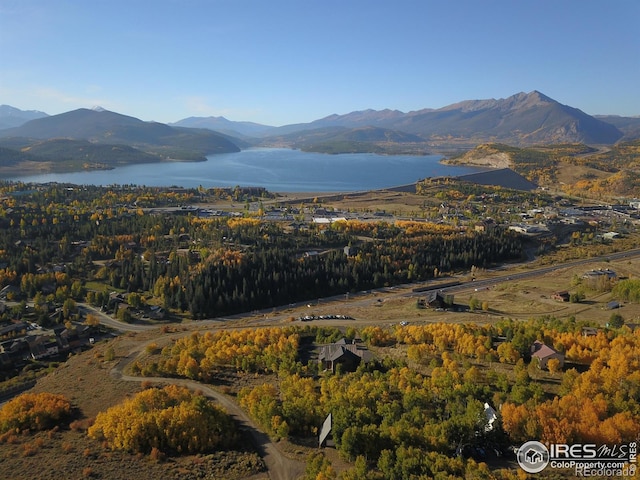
{"x": 344, "y": 352}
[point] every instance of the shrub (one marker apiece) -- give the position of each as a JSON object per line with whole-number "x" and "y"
{"x": 171, "y": 419}
{"x": 34, "y": 411}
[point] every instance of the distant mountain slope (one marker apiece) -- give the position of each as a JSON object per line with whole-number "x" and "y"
{"x": 359, "y": 134}
{"x": 10, "y": 157}
{"x": 101, "y": 126}
{"x": 221, "y": 124}
{"x": 630, "y": 126}
{"x": 66, "y": 154}
{"x": 351, "y": 140}
{"x": 14, "y": 117}
{"x": 83, "y": 151}
{"x": 522, "y": 119}
{"x": 364, "y": 117}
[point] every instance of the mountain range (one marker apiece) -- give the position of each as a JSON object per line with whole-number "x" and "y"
{"x": 520, "y": 120}
{"x": 14, "y": 117}
{"x": 98, "y": 138}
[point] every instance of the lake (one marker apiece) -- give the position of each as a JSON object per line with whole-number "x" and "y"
{"x": 276, "y": 169}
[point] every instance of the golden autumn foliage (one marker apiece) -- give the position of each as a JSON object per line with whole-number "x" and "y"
{"x": 262, "y": 403}
{"x": 386, "y": 229}
{"x": 34, "y": 411}
{"x": 579, "y": 348}
{"x": 7, "y": 276}
{"x": 224, "y": 256}
{"x": 421, "y": 228}
{"x": 195, "y": 356}
{"x": 468, "y": 340}
{"x": 600, "y": 405}
{"x": 377, "y": 336}
{"x": 236, "y": 223}
{"x": 171, "y": 420}
{"x": 620, "y": 183}
{"x": 356, "y": 227}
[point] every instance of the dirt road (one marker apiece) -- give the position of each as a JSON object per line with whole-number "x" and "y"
{"x": 278, "y": 465}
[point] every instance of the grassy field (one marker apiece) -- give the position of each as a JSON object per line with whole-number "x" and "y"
{"x": 522, "y": 299}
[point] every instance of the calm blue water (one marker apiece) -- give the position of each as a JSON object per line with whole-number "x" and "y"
{"x": 276, "y": 169}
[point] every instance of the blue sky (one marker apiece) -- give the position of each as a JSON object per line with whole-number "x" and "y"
{"x": 287, "y": 61}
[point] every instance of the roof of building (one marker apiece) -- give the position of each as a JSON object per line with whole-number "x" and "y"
{"x": 542, "y": 350}
{"x": 326, "y": 429}
{"x": 335, "y": 351}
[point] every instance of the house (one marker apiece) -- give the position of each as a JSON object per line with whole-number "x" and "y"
{"x": 438, "y": 299}
{"x": 14, "y": 347}
{"x": 9, "y": 292}
{"x": 485, "y": 225}
{"x": 115, "y": 299}
{"x": 602, "y": 272}
{"x": 350, "y": 251}
{"x": 589, "y": 331}
{"x": 73, "y": 338}
{"x": 130, "y": 245}
{"x": 562, "y": 296}
{"x": 43, "y": 347}
{"x": 544, "y": 353}
{"x": 491, "y": 416}
{"x": 344, "y": 352}
{"x": 14, "y": 352}
{"x": 13, "y": 329}
{"x": 156, "y": 312}
{"x": 335, "y": 354}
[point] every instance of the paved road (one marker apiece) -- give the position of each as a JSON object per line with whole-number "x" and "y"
{"x": 408, "y": 290}
{"x": 278, "y": 465}
{"x": 363, "y": 298}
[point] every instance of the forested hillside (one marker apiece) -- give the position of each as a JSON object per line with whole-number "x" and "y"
{"x": 416, "y": 401}
{"x": 216, "y": 266}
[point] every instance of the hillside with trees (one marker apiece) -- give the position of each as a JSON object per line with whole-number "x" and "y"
{"x": 238, "y": 264}
{"x": 72, "y": 139}
{"x": 414, "y": 401}
{"x": 394, "y": 418}
{"x": 537, "y": 164}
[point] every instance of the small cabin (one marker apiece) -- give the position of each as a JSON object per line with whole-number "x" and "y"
{"x": 562, "y": 296}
